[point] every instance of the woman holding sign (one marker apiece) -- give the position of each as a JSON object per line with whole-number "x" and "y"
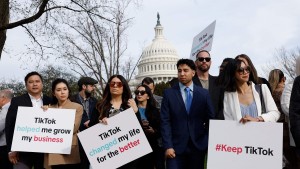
{"x": 61, "y": 91}
{"x": 116, "y": 98}
{"x": 242, "y": 101}
{"x": 150, "y": 120}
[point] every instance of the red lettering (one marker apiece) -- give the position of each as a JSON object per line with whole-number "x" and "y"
{"x": 129, "y": 146}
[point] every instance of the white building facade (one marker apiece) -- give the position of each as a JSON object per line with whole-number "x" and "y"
{"x": 159, "y": 59}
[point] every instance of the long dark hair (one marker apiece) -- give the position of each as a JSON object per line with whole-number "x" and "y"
{"x": 150, "y": 102}
{"x": 104, "y": 104}
{"x": 54, "y": 84}
{"x": 220, "y": 78}
{"x": 253, "y": 73}
{"x": 229, "y": 80}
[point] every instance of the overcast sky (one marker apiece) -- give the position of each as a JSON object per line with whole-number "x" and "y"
{"x": 256, "y": 28}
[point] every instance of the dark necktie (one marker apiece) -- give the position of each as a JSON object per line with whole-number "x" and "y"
{"x": 188, "y": 100}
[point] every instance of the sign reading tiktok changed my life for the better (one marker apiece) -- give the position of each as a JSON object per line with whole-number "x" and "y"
{"x": 120, "y": 141}
{"x": 48, "y": 131}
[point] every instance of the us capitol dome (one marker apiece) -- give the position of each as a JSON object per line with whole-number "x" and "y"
{"x": 158, "y": 60}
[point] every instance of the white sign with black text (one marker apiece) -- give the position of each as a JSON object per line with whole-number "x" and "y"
{"x": 48, "y": 131}
{"x": 203, "y": 41}
{"x": 120, "y": 141}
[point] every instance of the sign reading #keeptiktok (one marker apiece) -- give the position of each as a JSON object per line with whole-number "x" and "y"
{"x": 48, "y": 131}
{"x": 254, "y": 145}
{"x": 120, "y": 141}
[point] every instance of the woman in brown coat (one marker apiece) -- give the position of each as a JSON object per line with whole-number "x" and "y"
{"x": 61, "y": 90}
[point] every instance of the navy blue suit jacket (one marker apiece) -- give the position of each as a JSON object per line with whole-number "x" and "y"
{"x": 178, "y": 126}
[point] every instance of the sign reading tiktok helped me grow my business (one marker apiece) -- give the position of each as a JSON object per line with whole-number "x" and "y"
{"x": 48, "y": 131}
{"x": 120, "y": 141}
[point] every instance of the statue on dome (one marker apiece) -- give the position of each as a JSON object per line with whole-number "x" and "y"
{"x": 158, "y": 17}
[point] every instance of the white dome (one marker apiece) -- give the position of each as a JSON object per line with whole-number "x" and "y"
{"x": 159, "y": 59}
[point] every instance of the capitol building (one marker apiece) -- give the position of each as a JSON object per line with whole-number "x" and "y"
{"x": 158, "y": 60}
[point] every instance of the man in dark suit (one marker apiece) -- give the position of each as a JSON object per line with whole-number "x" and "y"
{"x": 34, "y": 98}
{"x": 86, "y": 87}
{"x": 207, "y": 81}
{"x": 203, "y": 79}
{"x": 185, "y": 112}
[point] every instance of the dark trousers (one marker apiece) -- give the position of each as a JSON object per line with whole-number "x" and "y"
{"x": 191, "y": 158}
{"x": 289, "y": 151}
{"x": 66, "y": 166}
{"x": 146, "y": 162}
{"x": 294, "y": 159}
{"x": 160, "y": 158}
{"x": 30, "y": 160}
{"x": 130, "y": 165}
{"x": 4, "y": 162}
{"x": 84, "y": 164}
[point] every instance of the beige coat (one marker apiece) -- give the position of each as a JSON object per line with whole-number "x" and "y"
{"x": 73, "y": 158}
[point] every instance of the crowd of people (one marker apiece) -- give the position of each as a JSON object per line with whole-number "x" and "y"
{"x": 176, "y": 124}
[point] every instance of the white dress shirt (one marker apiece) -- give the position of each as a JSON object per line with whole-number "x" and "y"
{"x": 36, "y": 102}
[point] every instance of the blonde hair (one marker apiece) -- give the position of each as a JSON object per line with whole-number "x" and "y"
{"x": 275, "y": 77}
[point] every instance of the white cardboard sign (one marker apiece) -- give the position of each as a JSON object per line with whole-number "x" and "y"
{"x": 120, "y": 141}
{"x": 48, "y": 131}
{"x": 252, "y": 145}
{"x": 203, "y": 41}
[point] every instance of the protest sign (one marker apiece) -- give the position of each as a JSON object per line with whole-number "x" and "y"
{"x": 252, "y": 145}
{"x": 48, "y": 131}
{"x": 203, "y": 41}
{"x": 120, "y": 141}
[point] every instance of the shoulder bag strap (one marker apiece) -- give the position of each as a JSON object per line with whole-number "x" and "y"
{"x": 258, "y": 88}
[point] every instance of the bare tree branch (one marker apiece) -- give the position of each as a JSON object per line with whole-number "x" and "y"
{"x": 285, "y": 60}
{"x": 27, "y": 20}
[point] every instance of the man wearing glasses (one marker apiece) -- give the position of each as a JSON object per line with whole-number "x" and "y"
{"x": 207, "y": 81}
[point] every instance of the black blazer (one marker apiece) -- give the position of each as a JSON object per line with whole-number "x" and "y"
{"x": 216, "y": 94}
{"x": 85, "y": 116}
{"x": 23, "y": 100}
{"x": 94, "y": 119}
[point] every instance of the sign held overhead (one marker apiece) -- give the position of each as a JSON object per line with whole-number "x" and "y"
{"x": 203, "y": 41}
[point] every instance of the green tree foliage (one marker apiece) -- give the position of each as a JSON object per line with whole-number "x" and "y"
{"x": 17, "y": 87}
{"x": 50, "y": 73}
{"x": 160, "y": 87}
